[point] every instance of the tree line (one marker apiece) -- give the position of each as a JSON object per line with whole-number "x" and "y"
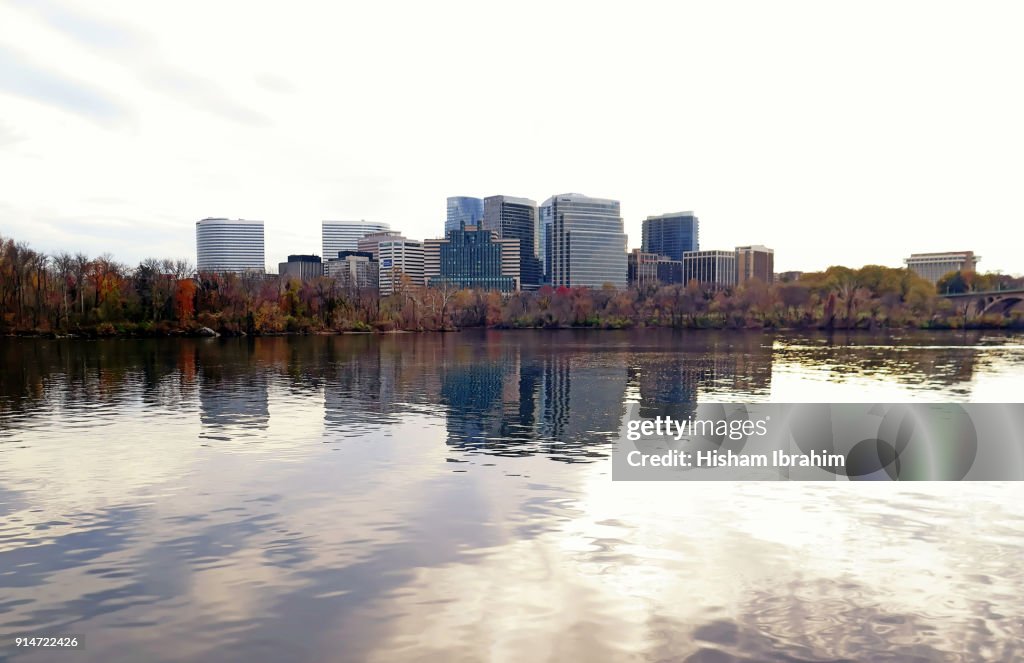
{"x": 68, "y": 293}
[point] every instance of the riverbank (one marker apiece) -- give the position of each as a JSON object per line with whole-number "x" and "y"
{"x": 164, "y": 330}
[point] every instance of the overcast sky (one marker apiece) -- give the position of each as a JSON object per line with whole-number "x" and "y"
{"x": 836, "y": 133}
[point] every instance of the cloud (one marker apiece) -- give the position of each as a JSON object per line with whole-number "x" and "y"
{"x": 8, "y": 135}
{"x": 20, "y": 77}
{"x": 275, "y": 83}
{"x": 86, "y": 30}
{"x": 204, "y": 95}
{"x": 105, "y": 36}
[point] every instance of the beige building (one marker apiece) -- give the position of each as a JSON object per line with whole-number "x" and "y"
{"x": 755, "y": 262}
{"x": 370, "y": 243}
{"x": 933, "y": 266}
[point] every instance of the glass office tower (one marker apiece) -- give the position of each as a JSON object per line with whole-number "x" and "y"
{"x": 671, "y": 235}
{"x": 588, "y": 245}
{"x": 463, "y": 211}
{"x": 516, "y": 218}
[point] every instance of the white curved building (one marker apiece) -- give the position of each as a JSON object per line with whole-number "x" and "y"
{"x": 345, "y": 235}
{"x": 229, "y": 245}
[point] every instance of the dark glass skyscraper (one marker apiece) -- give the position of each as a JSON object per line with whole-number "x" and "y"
{"x": 463, "y": 211}
{"x": 516, "y": 218}
{"x": 671, "y": 235}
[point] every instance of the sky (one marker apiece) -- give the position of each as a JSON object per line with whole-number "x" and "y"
{"x": 835, "y": 133}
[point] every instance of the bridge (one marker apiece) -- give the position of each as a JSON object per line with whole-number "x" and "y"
{"x": 991, "y": 302}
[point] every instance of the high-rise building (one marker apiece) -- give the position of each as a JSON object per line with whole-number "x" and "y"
{"x": 933, "y": 266}
{"x": 588, "y": 245}
{"x": 354, "y": 269}
{"x": 400, "y": 264}
{"x": 463, "y": 211}
{"x": 516, "y": 218}
{"x": 648, "y": 269}
{"x": 369, "y": 243}
{"x": 544, "y": 215}
{"x": 229, "y": 245}
{"x": 344, "y": 235}
{"x": 714, "y": 270}
{"x": 755, "y": 262}
{"x": 301, "y": 267}
{"x": 472, "y": 258}
{"x": 671, "y": 235}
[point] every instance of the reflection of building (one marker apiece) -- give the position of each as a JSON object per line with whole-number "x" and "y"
{"x": 400, "y": 264}
{"x": 588, "y": 245}
{"x": 353, "y": 269}
{"x": 581, "y": 403}
{"x": 650, "y": 269}
{"x": 739, "y": 368}
{"x": 714, "y": 270}
{"x": 233, "y": 391}
{"x": 229, "y": 245}
{"x": 472, "y": 258}
{"x": 933, "y": 266}
{"x": 516, "y": 218}
{"x": 755, "y": 262}
{"x": 301, "y": 267}
{"x": 463, "y": 211}
{"x": 671, "y": 235}
{"x": 516, "y": 402}
{"x": 345, "y": 235}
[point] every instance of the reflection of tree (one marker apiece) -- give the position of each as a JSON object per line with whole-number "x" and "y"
{"x": 937, "y": 358}
{"x": 77, "y": 375}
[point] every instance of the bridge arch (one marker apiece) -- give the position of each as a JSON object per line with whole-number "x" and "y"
{"x": 1002, "y": 305}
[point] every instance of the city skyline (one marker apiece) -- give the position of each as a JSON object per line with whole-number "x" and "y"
{"x": 121, "y": 127}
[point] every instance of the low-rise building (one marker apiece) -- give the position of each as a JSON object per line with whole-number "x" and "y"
{"x": 301, "y": 267}
{"x": 714, "y": 270}
{"x": 354, "y": 269}
{"x": 933, "y": 266}
{"x": 755, "y": 262}
{"x": 646, "y": 269}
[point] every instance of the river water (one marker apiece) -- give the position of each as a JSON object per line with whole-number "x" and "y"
{"x": 448, "y": 497}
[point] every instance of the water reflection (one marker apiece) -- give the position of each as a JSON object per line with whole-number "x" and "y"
{"x": 382, "y": 499}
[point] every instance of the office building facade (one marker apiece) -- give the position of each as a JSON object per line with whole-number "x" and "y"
{"x": 588, "y": 245}
{"x": 301, "y": 267}
{"x": 650, "y": 269}
{"x": 755, "y": 262}
{"x": 230, "y": 245}
{"x": 933, "y": 266}
{"x": 463, "y": 211}
{"x": 370, "y": 243}
{"x": 354, "y": 269}
{"x": 516, "y": 218}
{"x": 713, "y": 270}
{"x": 472, "y": 258}
{"x": 345, "y": 235}
{"x": 400, "y": 264}
{"x": 671, "y": 235}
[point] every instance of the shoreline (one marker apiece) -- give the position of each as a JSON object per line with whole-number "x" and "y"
{"x": 95, "y": 334}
